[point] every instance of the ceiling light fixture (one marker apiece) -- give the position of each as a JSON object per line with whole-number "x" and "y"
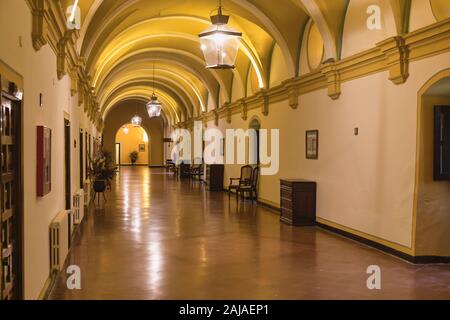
{"x": 220, "y": 43}
{"x": 154, "y": 106}
{"x": 136, "y": 121}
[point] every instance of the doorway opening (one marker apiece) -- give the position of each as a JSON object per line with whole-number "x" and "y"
{"x": 130, "y": 140}
{"x": 432, "y": 201}
{"x": 11, "y": 215}
{"x": 118, "y": 154}
{"x": 67, "y": 164}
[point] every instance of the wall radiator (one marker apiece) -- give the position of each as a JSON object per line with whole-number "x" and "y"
{"x": 87, "y": 193}
{"x": 78, "y": 207}
{"x": 59, "y": 240}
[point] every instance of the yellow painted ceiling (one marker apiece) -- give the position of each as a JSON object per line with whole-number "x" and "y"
{"x": 121, "y": 41}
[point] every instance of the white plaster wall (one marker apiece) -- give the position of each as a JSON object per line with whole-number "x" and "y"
{"x": 278, "y": 69}
{"x": 38, "y": 70}
{"x": 357, "y": 37}
{"x": 421, "y": 15}
{"x": 237, "y": 89}
{"x": 365, "y": 182}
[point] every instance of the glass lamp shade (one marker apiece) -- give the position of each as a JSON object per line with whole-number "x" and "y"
{"x": 154, "y": 107}
{"x": 220, "y": 44}
{"x": 136, "y": 121}
{"x": 126, "y": 130}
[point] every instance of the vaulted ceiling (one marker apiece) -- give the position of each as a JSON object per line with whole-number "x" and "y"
{"x": 122, "y": 40}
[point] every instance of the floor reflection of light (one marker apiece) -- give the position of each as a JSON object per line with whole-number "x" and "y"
{"x": 155, "y": 264}
{"x": 145, "y": 196}
{"x": 203, "y": 253}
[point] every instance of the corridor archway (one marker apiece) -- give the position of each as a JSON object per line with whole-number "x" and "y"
{"x": 132, "y": 139}
{"x": 432, "y": 221}
{"x": 120, "y": 116}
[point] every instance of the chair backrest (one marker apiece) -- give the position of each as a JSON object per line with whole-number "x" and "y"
{"x": 246, "y": 173}
{"x": 255, "y": 177}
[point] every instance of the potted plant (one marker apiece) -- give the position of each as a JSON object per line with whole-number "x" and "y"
{"x": 102, "y": 171}
{"x": 134, "y": 157}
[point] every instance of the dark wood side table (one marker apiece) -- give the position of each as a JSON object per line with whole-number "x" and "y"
{"x": 184, "y": 171}
{"x": 214, "y": 177}
{"x": 298, "y": 202}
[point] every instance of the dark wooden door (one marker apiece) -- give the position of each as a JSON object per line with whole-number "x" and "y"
{"x": 67, "y": 160}
{"x": 11, "y": 216}
{"x": 442, "y": 143}
{"x": 80, "y": 146}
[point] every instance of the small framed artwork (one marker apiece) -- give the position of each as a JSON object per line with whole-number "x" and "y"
{"x": 312, "y": 144}
{"x": 44, "y": 161}
{"x": 142, "y": 148}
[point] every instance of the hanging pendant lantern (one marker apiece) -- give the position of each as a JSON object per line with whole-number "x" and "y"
{"x": 154, "y": 107}
{"x": 220, "y": 43}
{"x": 136, "y": 121}
{"x": 126, "y": 130}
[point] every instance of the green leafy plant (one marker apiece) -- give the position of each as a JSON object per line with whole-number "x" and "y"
{"x": 134, "y": 157}
{"x": 102, "y": 167}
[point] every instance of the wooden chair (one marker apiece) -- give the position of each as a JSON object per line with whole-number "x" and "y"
{"x": 251, "y": 188}
{"x": 198, "y": 173}
{"x": 245, "y": 179}
{"x": 196, "y": 169}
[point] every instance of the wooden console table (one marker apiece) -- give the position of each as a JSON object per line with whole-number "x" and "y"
{"x": 298, "y": 202}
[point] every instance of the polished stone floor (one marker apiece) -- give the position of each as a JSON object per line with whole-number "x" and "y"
{"x": 157, "y": 238}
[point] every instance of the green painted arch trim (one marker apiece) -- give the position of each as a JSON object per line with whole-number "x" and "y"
{"x": 247, "y": 75}
{"x": 340, "y": 35}
{"x": 269, "y": 63}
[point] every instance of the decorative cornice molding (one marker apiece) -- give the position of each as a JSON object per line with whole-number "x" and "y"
{"x": 49, "y": 27}
{"x": 396, "y": 53}
{"x": 244, "y": 110}
{"x": 229, "y": 112}
{"x": 293, "y": 94}
{"x": 393, "y": 55}
{"x": 39, "y": 27}
{"x": 331, "y": 72}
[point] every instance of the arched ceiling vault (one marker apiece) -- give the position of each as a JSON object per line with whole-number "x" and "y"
{"x": 181, "y": 100}
{"x": 169, "y": 110}
{"x": 137, "y": 102}
{"x": 121, "y": 40}
{"x": 181, "y": 85}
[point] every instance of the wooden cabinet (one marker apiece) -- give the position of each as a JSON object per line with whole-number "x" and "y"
{"x": 185, "y": 171}
{"x": 298, "y": 202}
{"x": 214, "y": 177}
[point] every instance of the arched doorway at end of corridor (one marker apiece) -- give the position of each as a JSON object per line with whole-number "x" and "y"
{"x": 132, "y": 139}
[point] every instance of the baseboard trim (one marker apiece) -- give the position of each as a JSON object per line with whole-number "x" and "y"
{"x": 431, "y": 260}
{"x": 371, "y": 243}
{"x": 48, "y": 286}
{"x": 269, "y": 205}
{"x": 386, "y": 249}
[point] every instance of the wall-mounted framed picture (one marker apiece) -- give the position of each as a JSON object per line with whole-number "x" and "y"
{"x": 142, "y": 148}
{"x": 44, "y": 161}
{"x": 312, "y": 144}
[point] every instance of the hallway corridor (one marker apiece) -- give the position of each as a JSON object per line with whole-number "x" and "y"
{"x": 157, "y": 238}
